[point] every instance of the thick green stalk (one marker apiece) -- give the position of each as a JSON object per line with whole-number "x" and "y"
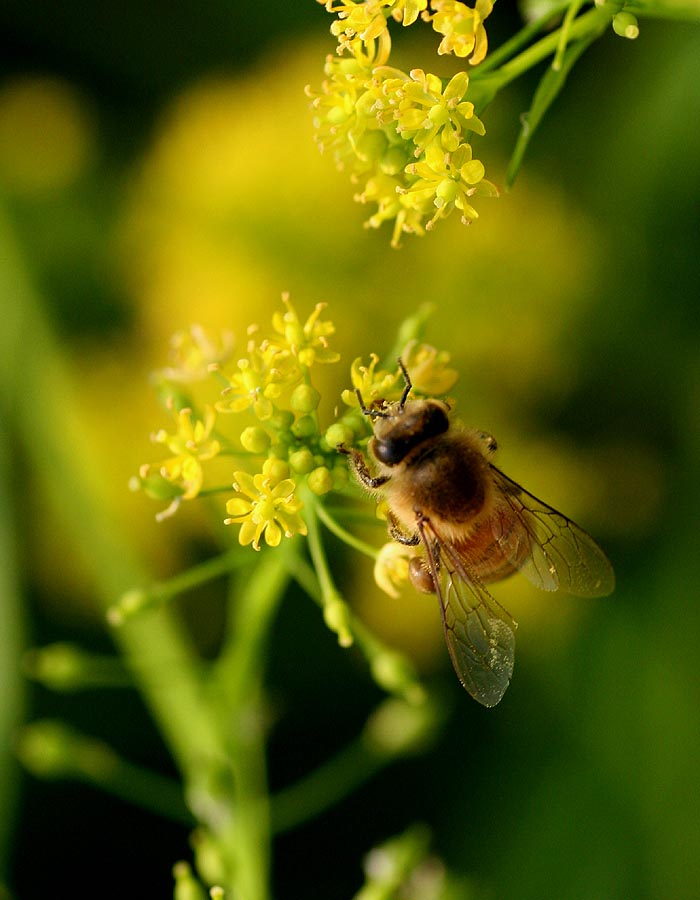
{"x": 39, "y": 398}
{"x": 11, "y": 647}
{"x": 237, "y": 681}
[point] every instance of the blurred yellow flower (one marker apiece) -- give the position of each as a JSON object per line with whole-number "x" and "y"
{"x": 194, "y": 352}
{"x": 428, "y": 369}
{"x": 372, "y": 384}
{"x": 309, "y": 341}
{"x": 391, "y": 567}
{"x": 191, "y": 445}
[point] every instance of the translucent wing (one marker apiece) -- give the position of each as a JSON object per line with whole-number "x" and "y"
{"x": 549, "y": 549}
{"x": 479, "y": 632}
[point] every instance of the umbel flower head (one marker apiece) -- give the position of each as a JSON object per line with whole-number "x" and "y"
{"x": 260, "y": 408}
{"x": 404, "y": 137}
{"x": 247, "y": 430}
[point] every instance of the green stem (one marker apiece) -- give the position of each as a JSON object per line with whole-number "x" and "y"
{"x": 11, "y": 647}
{"x": 590, "y": 23}
{"x": 39, "y": 395}
{"x": 565, "y": 33}
{"x": 336, "y": 612}
{"x": 390, "y": 669}
{"x": 238, "y": 694}
{"x": 329, "y": 592}
{"x": 345, "y": 536}
{"x": 326, "y": 786}
{"x": 523, "y": 37}
{"x": 137, "y": 599}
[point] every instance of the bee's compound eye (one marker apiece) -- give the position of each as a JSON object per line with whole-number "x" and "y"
{"x": 421, "y": 576}
{"x": 389, "y": 452}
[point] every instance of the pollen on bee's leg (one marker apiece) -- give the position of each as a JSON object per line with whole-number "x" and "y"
{"x": 420, "y": 575}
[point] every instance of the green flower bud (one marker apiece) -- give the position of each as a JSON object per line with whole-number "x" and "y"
{"x": 625, "y": 25}
{"x": 338, "y": 433}
{"x": 186, "y": 885}
{"x": 276, "y": 469}
{"x": 320, "y": 481}
{"x": 159, "y": 488}
{"x": 397, "y": 727}
{"x": 340, "y": 475}
{"x": 305, "y": 399}
{"x": 392, "y": 672}
{"x": 304, "y": 427}
{"x": 255, "y": 439}
{"x": 336, "y": 617}
{"x": 207, "y": 854}
{"x": 301, "y": 461}
{"x": 281, "y": 420}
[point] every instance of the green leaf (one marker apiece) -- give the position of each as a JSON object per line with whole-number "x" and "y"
{"x": 547, "y": 91}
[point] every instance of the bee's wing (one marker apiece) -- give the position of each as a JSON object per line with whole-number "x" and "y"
{"x": 479, "y": 632}
{"x": 549, "y": 549}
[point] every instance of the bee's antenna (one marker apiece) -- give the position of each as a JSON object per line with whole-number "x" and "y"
{"x": 366, "y": 411}
{"x": 407, "y": 379}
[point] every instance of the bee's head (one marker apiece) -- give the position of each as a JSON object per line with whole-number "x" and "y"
{"x": 401, "y": 426}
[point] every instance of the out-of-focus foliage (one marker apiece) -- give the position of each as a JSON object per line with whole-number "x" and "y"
{"x": 571, "y": 315}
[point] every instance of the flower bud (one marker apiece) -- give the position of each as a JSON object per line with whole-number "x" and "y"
{"x": 393, "y": 673}
{"x": 320, "y": 481}
{"x": 255, "y": 439}
{"x": 281, "y": 420}
{"x": 304, "y": 427}
{"x": 305, "y": 399}
{"x": 338, "y": 433}
{"x": 301, "y": 461}
{"x": 625, "y": 25}
{"x": 275, "y": 469}
{"x": 186, "y": 885}
{"x": 336, "y": 617}
{"x": 397, "y": 727}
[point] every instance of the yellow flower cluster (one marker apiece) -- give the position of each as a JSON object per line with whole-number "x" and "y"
{"x": 404, "y": 136}
{"x": 275, "y": 425}
{"x": 260, "y": 409}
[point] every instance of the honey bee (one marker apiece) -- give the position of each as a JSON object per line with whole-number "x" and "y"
{"x": 475, "y": 526}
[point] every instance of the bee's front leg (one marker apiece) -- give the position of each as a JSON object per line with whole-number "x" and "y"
{"x": 397, "y": 533}
{"x": 361, "y": 469}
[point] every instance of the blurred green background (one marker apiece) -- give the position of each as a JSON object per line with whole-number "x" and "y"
{"x": 157, "y": 168}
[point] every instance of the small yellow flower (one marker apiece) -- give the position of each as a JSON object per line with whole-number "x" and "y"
{"x": 407, "y": 11}
{"x": 426, "y": 111}
{"x": 365, "y": 18}
{"x": 447, "y": 181}
{"x": 260, "y": 379}
{"x": 462, "y": 27}
{"x": 191, "y": 445}
{"x": 391, "y": 567}
{"x": 428, "y": 369}
{"x": 194, "y": 352}
{"x": 373, "y": 384}
{"x": 308, "y": 342}
{"x": 269, "y": 507}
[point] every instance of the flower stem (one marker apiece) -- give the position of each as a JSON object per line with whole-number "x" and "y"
{"x": 40, "y": 399}
{"x": 244, "y": 837}
{"x": 593, "y": 22}
{"x": 326, "y": 786}
{"x": 345, "y": 536}
{"x": 335, "y": 610}
{"x": 521, "y": 39}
